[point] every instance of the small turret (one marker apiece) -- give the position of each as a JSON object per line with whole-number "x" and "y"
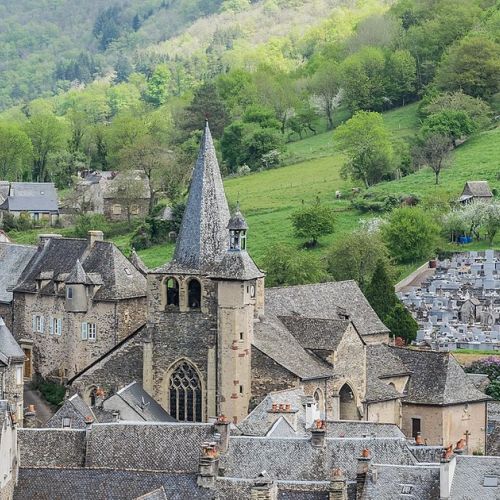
{"x": 237, "y": 231}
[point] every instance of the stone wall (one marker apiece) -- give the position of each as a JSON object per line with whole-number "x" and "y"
{"x": 6, "y": 314}
{"x": 268, "y": 376}
{"x": 62, "y": 356}
{"x": 388, "y": 412}
{"x": 51, "y": 448}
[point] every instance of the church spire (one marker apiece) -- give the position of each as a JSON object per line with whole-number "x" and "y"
{"x": 203, "y": 237}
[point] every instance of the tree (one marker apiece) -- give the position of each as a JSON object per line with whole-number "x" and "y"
{"x": 128, "y": 187}
{"x": 410, "y": 234}
{"x": 158, "y": 85}
{"x": 285, "y": 265}
{"x": 401, "y": 323}
{"x": 355, "y": 257}
{"x": 324, "y": 85}
{"x": 380, "y": 291}
{"x": 433, "y": 152}
{"x": 15, "y": 152}
{"x": 47, "y": 135}
{"x": 454, "y": 125}
{"x": 473, "y": 66}
{"x": 491, "y": 220}
{"x": 401, "y": 76}
{"x": 313, "y": 221}
{"x": 367, "y": 145}
{"x": 477, "y": 109}
{"x": 363, "y": 79}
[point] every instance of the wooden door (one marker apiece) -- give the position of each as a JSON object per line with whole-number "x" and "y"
{"x": 27, "y": 363}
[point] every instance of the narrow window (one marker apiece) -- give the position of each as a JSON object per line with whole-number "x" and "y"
{"x": 415, "y": 426}
{"x": 92, "y": 331}
{"x": 241, "y": 389}
{"x": 19, "y": 375}
{"x": 194, "y": 294}
{"x": 172, "y": 292}
{"x": 69, "y": 293}
{"x": 85, "y": 331}
{"x": 66, "y": 422}
{"x": 241, "y": 335}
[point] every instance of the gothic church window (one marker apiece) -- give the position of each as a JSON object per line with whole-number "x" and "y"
{"x": 348, "y": 408}
{"x": 194, "y": 294}
{"x": 172, "y": 292}
{"x": 185, "y": 394}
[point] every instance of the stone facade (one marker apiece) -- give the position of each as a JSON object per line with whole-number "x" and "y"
{"x": 8, "y": 453}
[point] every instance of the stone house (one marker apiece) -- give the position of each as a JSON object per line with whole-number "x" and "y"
{"x": 11, "y": 372}
{"x": 76, "y": 300}
{"x": 475, "y": 191}
{"x": 38, "y": 199}
{"x": 13, "y": 260}
{"x": 9, "y": 459}
{"x": 102, "y": 192}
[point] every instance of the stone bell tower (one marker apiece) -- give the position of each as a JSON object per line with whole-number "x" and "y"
{"x": 201, "y": 307}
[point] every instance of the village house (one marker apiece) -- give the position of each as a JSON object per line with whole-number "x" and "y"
{"x": 11, "y": 372}
{"x": 475, "y": 191}
{"x": 76, "y": 300}
{"x": 37, "y": 199}
{"x": 116, "y": 195}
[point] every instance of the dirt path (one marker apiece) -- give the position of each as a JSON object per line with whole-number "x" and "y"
{"x": 43, "y": 409}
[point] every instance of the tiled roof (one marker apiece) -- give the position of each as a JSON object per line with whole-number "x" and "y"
{"x": 477, "y": 188}
{"x": 361, "y": 428}
{"x": 74, "y": 408}
{"x": 470, "y": 473}
{"x": 436, "y": 378}
{"x": 236, "y": 265}
{"x": 32, "y": 197}
{"x": 13, "y": 260}
{"x": 203, "y": 237}
{"x": 323, "y": 300}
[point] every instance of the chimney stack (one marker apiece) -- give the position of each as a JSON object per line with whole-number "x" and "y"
{"x": 362, "y": 472}
{"x": 222, "y": 428}
{"x": 338, "y": 486}
{"x": 461, "y": 447}
{"x": 318, "y": 434}
{"x": 95, "y": 236}
{"x": 264, "y": 488}
{"x": 209, "y": 465}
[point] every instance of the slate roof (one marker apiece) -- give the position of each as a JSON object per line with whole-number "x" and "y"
{"x": 103, "y": 264}
{"x": 422, "y": 481}
{"x": 361, "y": 428}
{"x": 108, "y": 185}
{"x": 78, "y": 275}
{"x": 478, "y": 189}
{"x": 158, "y": 494}
{"x": 468, "y": 480}
{"x": 236, "y": 265}
{"x": 436, "y": 378}
{"x": 203, "y": 237}
{"x": 146, "y": 408}
{"x": 295, "y": 459}
{"x": 9, "y": 348}
{"x": 89, "y": 484}
{"x": 138, "y": 262}
{"x": 316, "y": 333}
{"x": 31, "y": 197}
{"x": 273, "y": 339}
{"x": 13, "y": 260}
{"x": 324, "y": 300}
{"x": 74, "y": 408}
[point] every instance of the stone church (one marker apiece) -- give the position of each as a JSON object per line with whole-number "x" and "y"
{"x": 216, "y": 342}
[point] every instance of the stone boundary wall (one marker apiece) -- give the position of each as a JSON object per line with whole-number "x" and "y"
{"x": 414, "y": 275}
{"x": 51, "y": 447}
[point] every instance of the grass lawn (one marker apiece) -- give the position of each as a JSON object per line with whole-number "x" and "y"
{"x": 467, "y": 356}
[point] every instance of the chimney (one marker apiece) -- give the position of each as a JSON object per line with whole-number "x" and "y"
{"x": 95, "y": 236}
{"x": 264, "y": 488}
{"x": 222, "y": 428}
{"x": 419, "y": 441}
{"x": 318, "y": 433}
{"x": 338, "y": 486}
{"x": 446, "y": 473}
{"x": 362, "y": 471}
{"x": 209, "y": 465}
{"x": 461, "y": 447}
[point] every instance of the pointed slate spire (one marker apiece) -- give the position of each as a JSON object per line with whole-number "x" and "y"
{"x": 203, "y": 237}
{"x": 78, "y": 276}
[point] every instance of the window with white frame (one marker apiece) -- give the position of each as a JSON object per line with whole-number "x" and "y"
{"x": 89, "y": 331}
{"x": 66, "y": 422}
{"x": 19, "y": 375}
{"x": 55, "y": 326}
{"x": 38, "y": 323}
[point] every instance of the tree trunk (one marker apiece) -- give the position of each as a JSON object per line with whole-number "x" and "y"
{"x": 437, "y": 177}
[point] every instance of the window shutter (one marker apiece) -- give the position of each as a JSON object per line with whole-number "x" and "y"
{"x": 51, "y": 326}
{"x": 59, "y": 326}
{"x": 34, "y": 323}
{"x": 42, "y": 324}
{"x": 84, "y": 331}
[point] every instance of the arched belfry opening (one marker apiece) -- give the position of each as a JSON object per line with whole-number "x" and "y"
{"x": 194, "y": 294}
{"x": 185, "y": 393}
{"x": 348, "y": 408}
{"x": 172, "y": 292}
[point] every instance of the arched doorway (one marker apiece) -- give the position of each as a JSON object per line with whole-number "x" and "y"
{"x": 185, "y": 395}
{"x": 348, "y": 409}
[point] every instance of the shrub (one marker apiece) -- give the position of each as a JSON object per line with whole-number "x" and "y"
{"x": 90, "y": 222}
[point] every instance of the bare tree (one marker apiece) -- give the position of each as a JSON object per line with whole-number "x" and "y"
{"x": 434, "y": 152}
{"x": 127, "y": 188}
